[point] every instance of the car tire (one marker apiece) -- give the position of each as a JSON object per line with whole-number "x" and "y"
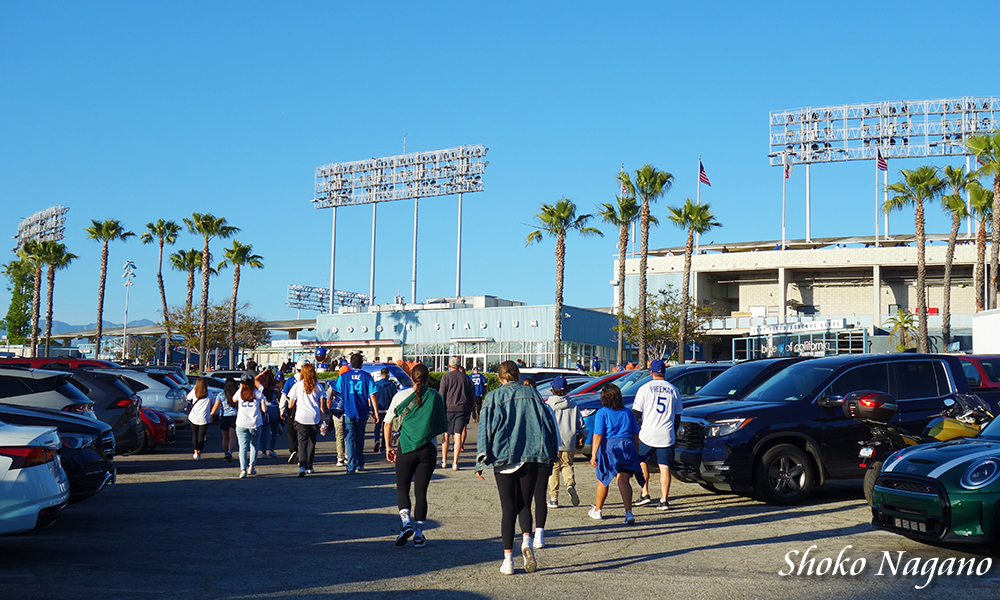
{"x": 784, "y": 475}
{"x": 870, "y": 476}
{"x": 146, "y": 436}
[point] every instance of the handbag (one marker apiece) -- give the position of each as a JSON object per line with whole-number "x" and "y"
{"x": 581, "y": 441}
{"x": 397, "y": 423}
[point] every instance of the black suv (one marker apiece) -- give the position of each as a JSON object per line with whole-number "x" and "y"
{"x": 791, "y": 433}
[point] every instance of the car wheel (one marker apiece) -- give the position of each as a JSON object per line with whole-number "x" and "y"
{"x": 784, "y": 475}
{"x": 870, "y": 476}
{"x": 146, "y": 437}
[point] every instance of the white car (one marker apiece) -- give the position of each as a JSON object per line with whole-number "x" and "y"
{"x": 157, "y": 391}
{"x": 34, "y": 487}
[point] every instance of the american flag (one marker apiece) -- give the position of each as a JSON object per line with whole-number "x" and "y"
{"x": 880, "y": 161}
{"x": 702, "y": 177}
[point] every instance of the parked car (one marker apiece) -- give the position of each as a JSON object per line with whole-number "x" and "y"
{"x": 115, "y": 404}
{"x": 983, "y": 374}
{"x": 158, "y": 428}
{"x": 790, "y": 433}
{"x": 159, "y": 392}
{"x": 396, "y": 373}
{"x": 621, "y": 378}
{"x": 739, "y": 380}
{"x": 943, "y": 492}
{"x": 573, "y": 382}
{"x": 87, "y": 447}
{"x": 34, "y": 487}
{"x": 38, "y": 388}
{"x": 58, "y": 363}
{"x": 544, "y": 374}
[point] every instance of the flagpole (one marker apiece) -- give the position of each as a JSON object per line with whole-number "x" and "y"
{"x": 877, "y": 209}
{"x": 697, "y": 236}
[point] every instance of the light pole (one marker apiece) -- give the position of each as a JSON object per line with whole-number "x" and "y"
{"x": 127, "y": 275}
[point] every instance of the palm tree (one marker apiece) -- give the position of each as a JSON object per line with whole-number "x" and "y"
{"x": 162, "y": 232}
{"x": 981, "y": 200}
{"x": 187, "y": 261}
{"x": 54, "y": 255}
{"x": 902, "y": 326}
{"x": 695, "y": 218}
{"x": 208, "y": 226}
{"x": 238, "y": 256}
{"x": 621, "y": 215}
{"x": 556, "y": 221}
{"x": 986, "y": 147}
{"x": 918, "y": 186}
{"x": 958, "y": 180}
{"x": 105, "y": 232}
{"x": 649, "y": 185}
{"x": 30, "y": 254}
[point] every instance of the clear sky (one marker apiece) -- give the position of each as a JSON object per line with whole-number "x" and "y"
{"x": 144, "y": 110}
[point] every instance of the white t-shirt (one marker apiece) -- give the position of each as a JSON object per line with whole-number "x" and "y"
{"x": 659, "y": 402}
{"x": 308, "y": 407}
{"x": 200, "y": 409}
{"x": 248, "y": 412}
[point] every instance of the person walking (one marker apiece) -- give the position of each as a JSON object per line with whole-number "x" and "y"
{"x": 422, "y": 413}
{"x": 357, "y": 389}
{"x": 658, "y": 404}
{"x": 569, "y": 424}
{"x": 225, "y": 402}
{"x": 459, "y": 398}
{"x": 249, "y": 416}
{"x": 288, "y": 415}
{"x": 479, "y": 384}
{"x": 385, "y": 390}
{"x": 200, "y": 415}
{"x": 266, "y": 383}
{"x": 516, "y": 435}
{"x": 615, "y": 456}
{"x": 305, "y": 401}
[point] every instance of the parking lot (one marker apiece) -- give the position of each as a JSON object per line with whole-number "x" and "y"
{"x": 172, "y": 527}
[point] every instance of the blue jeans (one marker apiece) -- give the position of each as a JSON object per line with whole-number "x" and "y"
{"x": 269, "y": 431}
{"x": 248, "y": 446}
{"x": 354, "y": 438}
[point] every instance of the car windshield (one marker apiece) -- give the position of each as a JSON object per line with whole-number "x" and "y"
{"x": 793, "y": 383}
{"x": 633, "y": 386}
{"x": 395, "y": 372}
{"x": 991, "y": 366}
{"x": 732, "y": 380}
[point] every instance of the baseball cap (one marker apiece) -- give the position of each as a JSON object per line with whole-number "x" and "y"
{"x": 300, "y": 364}
{"x": 559, "y": 382}
{"x": 657, "y": 367}
{"x": 454, "y": 362}
{"x": 246, "y": 378}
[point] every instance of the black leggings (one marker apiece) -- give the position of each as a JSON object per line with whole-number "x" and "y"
{"x": 416, "y": 467}
{"x": 516, "y": 491}
{"x": 198, "y": 435}
{"x": 541, "y": 491}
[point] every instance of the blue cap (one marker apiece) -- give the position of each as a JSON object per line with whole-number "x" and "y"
{"x": 559, "y": 382}
{"x": 657, "y": 367}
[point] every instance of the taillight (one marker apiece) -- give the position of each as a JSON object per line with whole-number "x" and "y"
{"x": 123, "y": 403}
{"x": 80, "y": 409}
{"x": 28, "y": 457}
{"x": 867, "y": 401}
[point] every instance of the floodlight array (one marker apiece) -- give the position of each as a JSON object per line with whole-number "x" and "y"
{"x": 911, "y": 128}
{"x": 307, "y": 297}
{"x": 44, "y": 226}
{"x": 415, "y": 175}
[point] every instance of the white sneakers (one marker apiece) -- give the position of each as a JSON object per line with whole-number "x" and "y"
{"x": 539, "y": 541}
{"x": 507, "y": 567}
{"x": 528, "y": 555}
{"x": 595, "y": 513}
{"x": 243, "y": 474}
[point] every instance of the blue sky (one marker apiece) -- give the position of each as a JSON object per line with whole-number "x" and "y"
{"x": 140, "y": 111}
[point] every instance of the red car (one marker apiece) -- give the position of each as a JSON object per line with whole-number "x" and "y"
{"x": 158, "y": 427}
{"x": 609, "y": 378}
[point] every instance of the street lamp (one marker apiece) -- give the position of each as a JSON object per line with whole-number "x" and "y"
{"x": 127, "y": 275}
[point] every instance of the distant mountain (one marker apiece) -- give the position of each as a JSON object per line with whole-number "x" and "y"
{"x": 61, "y": 327}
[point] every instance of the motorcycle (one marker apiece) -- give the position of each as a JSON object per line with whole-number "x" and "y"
{"x": 963, "y": 416}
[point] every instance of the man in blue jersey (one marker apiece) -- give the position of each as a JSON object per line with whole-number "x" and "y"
{"x": 359, "y": 394}
{"x": 479, "y": 387}
{"x": 387, "y": 388}
{"x": 596, "y": 364}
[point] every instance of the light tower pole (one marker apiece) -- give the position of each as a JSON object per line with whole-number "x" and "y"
{"x": 128, "y": 275}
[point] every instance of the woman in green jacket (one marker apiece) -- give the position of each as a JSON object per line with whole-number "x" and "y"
{"x": 423, "y": 419}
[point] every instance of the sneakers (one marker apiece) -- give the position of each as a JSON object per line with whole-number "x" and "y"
{"x": 294, "y": 456}
{"x": 507, "y": 567}
{"x": 642, "y": 501}
{"x": 528, "y": 555}
{"x": 228, "y": 457}
{"x": 272, "y": 453}
{"x": 552, "y": 503}
{"x": 302, "y": 471}
{"x": 418, "y": 539}
{"x": 662, "y": 505}
{"x": 573, "y": 496}
{"x": 454, "y": 467}
{"x": 195, "y": 456}
{"x": 404, "y": 533}
{"x": 310, "y": 471}
{"x": 444, "y": 464}
{"x": 243, "y": 474}
{"x": 629, "y": 518}
{"x": 340, "y": 462}
{"x": 253, "y": 470}
{"x": 595, "y": 513}
{"x": 377, "y": 448}
{"x": 539, "y": 541}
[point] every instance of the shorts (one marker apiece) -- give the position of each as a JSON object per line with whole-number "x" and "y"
{"x": 456, "y": 423}
{"x": 227, "y": 423}
{"x": 659, "y": 456}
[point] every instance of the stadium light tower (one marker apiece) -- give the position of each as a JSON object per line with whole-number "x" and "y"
{"x": 46, "y": 225}
{"x": 416, "y": 175}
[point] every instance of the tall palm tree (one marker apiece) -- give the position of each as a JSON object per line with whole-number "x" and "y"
{"x": 187, "y": 261}
{"x": 556, "y": 221}
{"x": 696, "y": 219}
{"x": 981, "y": 200}
{"x": 30, "y": 254}
{"x": 162, "y": 232}
{"x": 56, "y": 257}
{"x": 918, "y": 186}
{"x": 239, "y": 256}
{"x": 648, "y": 186}
{"x": 958, "y": 180}
{"x": 986, "y": 147}
{"x": 621, "y": 215}
{"x": 105, "y": 231}
{"x": 208, "y": 226}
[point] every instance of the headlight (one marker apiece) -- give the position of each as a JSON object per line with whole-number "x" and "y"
{"x": 586, "y": 412}
{"x": 981, "y": 473}
{"x": 726, "y": 427}
{"x": 151, "y": 416}
{"x": 76, "y": 440}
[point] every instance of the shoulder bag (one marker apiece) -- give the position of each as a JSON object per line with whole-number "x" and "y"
{"x": 397, "y": 423}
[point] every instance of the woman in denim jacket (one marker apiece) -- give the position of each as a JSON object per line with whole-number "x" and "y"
{"x": 517, "y": 437}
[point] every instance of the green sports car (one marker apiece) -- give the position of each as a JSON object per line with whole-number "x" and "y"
{"x": 946, "y": 491}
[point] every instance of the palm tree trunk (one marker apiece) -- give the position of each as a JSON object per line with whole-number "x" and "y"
{"x": 163, "y": 302}
{"x": 50, "y": 288}
{"x": 100, "y": 299}
{"x": 36, "y": 304}
{"x": 203, "y": 329}
{"x": 560, "y": 265}
{"x": 190, "y": 288}
{"x": 949, "y": 258}
{"x": 980, "y": 274}
{"x": 644, "y": 241}
{"x": 622, "y": 247}
{"x": 232, "y": 316}
{"x": 685, "y": 297}
{"x": 995, "y": 240}
{"x": 921, "y": 280}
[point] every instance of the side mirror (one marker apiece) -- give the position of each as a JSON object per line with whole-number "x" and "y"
{"x": 830, "y": 401}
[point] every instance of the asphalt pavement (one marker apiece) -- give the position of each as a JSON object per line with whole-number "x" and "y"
{"x": 173, "y": 527}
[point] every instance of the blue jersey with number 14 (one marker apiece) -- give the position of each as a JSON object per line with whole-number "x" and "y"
{"x": 356, "y": 387}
